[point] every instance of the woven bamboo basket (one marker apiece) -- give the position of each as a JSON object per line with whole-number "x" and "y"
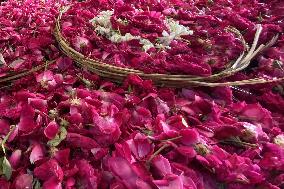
{"x": 14, "y": 76}
{"x": 118, "y": 74}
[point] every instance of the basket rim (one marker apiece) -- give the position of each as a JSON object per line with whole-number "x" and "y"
{"x": 119, "y": 73}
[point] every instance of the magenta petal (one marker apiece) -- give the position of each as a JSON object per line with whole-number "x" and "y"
{"x": 15, "y": 158}
{"x": 107, "y": 125}
{"x": 254, "y": 176}
{"x": 13, "y": 134}
{"x": 140, "y": 146}
{"x": 116, "y": 163}
{"x": 189, "y": 136}
{"x": 127, "y": 175}
{"x": 99, "y": 153}
{"x": 169, "y": 182}
{"x": 214, "y": 160}
{"x": 24, "y": 181}
{"x": 75, "y": 118}
{"x": 38, "y": 103}
{"x": 4, "y": 184}
{"x": 187, "y": 151}
{"x": 113, "y": 98}
{"x": 123, "y": 150}
{"x": 227, "y": 131}
{"x": 52, "y": 183}
{"x": 4, "y": 127}
{"x": 27, "y": 123}
{"x": 142, "y": 184}
{"x": 51, "y": 130}
{"x": 37, "y": 153}
{"x": 35, "y": 43}
{"x": 257, "y": 114}
{"x": 178, "y": 122}
{"x": 223, "y": 94}
{"x": 70, "y": 182}
{"x": 141, "y": 171}
{"x": 45, "y": 76}
{"x": 117, "y": 185}
{"x": 64, "y": 63}
{"x": 62, "y": 156}
{"x": 162, "y": 165}
{"x": 49, "y": 169}
{"x": 279, "y": 179}
{"x": 88, "y": 176}
{"x": 80, "y": 141}
{"x": 188, "y": 182}
{"x": 202, "y": 160}
{"x": 106, "y": 129}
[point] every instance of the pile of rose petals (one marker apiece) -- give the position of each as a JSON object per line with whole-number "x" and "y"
{"x": 108, "y": 30}
{"x": 67, "y": 128}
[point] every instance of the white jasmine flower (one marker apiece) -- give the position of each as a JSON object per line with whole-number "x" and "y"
{"x": 124, "y": 22}
{"x": 146, "y": 44}
{"x": 177, "y": 30}
{"x": 252, "y": 129}
{"x": 279, "y": 139}
{"x": 103, "y": 31}
{"x": 103, "y": 27}
{"x": 103, "y": 19}
{"x": 116, "y": 38}
{"x": 161, "y": 46}
{"x": 128, "y": 37}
